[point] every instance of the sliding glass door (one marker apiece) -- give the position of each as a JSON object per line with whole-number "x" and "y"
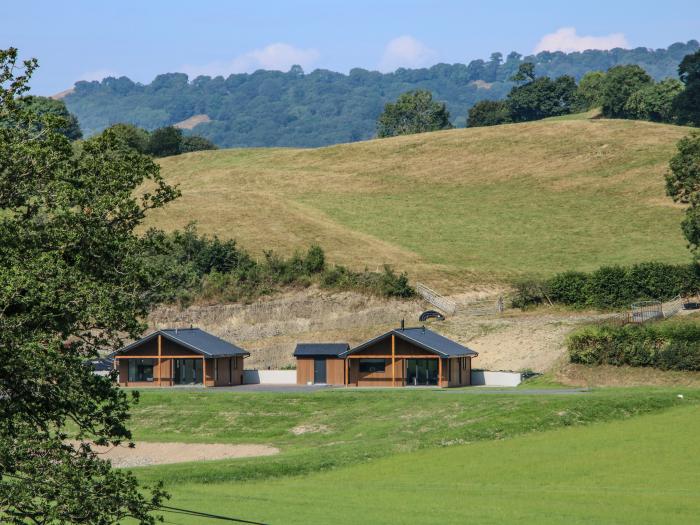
{"x": 421, "y": 372}
{"x": 187, "y": 371}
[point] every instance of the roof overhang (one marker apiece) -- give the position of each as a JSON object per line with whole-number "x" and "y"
{"x": 176, "y": 341}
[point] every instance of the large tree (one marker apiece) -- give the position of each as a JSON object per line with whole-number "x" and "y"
{"x": 655, "y": 102}
{"x": 683, "y": 185}
{"x": 687, "y": 103}
{"x": 539, "y": 98}
{"x": 45, "y": 106}
{"x": 619, "y": 84}
{"x": 72, "y": 280}
{"x": 413, "y": 112}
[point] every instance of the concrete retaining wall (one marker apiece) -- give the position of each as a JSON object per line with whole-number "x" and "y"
{"x": 269, "y": 377}
{"x": 488, "y": 378}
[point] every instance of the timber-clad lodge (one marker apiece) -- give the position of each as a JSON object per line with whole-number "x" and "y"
{"x": 397, "y": 358}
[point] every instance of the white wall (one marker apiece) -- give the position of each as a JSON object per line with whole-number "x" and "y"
{"x": 269, "y": 377}
{"x": 488, "y": 378}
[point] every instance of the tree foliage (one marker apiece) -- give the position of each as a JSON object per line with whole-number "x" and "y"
{"x": 654, "y": 102}
{"x": 687, "y": 104}
{"x": 65, "y": 122}
{"x": 619, "y": 84}
{"x": 541, "y": 97}
{"x": 589, "y": 91}
{"x": 683, "y": 185}
{"x": 413, "y": 112}
{"x": 73, "y": 280}
{"x": 274, "y": 108}
{"x": 489, "y": 113}
{"x": 162, "y": 142}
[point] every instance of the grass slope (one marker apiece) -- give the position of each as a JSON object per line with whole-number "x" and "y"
{"x": 636, "y": 471}
{"x": 479, "y": 204}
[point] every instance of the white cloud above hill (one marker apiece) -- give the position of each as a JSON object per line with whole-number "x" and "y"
{"x": 278, "y": 56}
{"x": 406, "y": 51}
{"x": 565, "y": 39}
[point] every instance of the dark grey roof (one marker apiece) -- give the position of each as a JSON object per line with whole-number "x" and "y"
{"x": 321, "y": 349}
{"x": 196, "y": 340}
{"x": 104, "y": 364}
{"x": 426, "y": 339}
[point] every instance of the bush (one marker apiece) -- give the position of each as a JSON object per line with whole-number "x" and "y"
{"x": 666, "y": 345}
{"x": 611, "y": 286}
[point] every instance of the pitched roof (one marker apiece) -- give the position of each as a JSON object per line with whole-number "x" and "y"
{"x": 196, "y": 340}
{"x": 321, "y": 349}
{"x": 425, "y": 339}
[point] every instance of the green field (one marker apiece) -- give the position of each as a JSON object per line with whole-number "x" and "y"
{"x": 466, "y": 205}
{"x": 607, "y": 456}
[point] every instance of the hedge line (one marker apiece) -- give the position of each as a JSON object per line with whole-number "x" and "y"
{"x": 611, "y": 286}
{"x": 666, "y": 345}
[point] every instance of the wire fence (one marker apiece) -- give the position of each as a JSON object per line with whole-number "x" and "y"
{"x": 645, "y": 311}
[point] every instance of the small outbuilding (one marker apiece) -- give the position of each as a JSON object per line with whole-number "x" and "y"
{"x": 180, "y": 356}
{"x": 321, "y": 363}
{"x": 400, "y": 357}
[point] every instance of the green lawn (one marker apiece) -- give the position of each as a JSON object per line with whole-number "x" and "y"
{"x": 643, "y": 470}
{"x": 344, "y": 427}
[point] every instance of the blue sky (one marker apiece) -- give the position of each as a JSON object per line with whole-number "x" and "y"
{"x": 76, "y": 40}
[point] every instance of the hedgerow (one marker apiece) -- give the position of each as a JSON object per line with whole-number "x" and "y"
{"x": 611, "y": 286}
{"x": 667, "y": 345}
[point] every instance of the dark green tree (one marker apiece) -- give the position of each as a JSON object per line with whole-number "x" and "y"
{"x": 588, "y": 93}
{"x": 413, "y": 112}
{"x": 525, "y": 73}
{"x": 489, "y": 113}
{"x": 683, "y": 185}
{"x": 196, "y": 143}
{"x": 619, "y": 84}
{"x": 165, "y": 142}
{"x": 66, "y": 122}
{"x": 655, "y": 102}
{"x": 131, "y": 136}
{"x": 541, "y": 98}
{"x": 73, "y": 281}
{"x": 687, "y": 103}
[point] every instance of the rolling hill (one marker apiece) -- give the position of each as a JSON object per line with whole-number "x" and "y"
{"x": 451, "y": 208}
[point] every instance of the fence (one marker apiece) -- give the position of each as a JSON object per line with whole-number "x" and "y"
{"x": 443, "y": 303}
{"x": 644, "y": 311}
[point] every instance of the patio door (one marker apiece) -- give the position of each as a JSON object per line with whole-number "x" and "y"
{"x": 319, "y": 370}
{"x": 187, "y": 372}
{"x": 421, "y": 372}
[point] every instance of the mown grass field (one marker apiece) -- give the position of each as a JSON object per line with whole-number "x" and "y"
{"x": 433, "y": 456}
{"x": 452, "y": 207}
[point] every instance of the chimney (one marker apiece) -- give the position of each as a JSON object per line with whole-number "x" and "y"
{"x": 402, "y": 324}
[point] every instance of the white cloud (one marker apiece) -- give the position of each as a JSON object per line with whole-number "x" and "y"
{"x": 565, "y": 39}
{"x": 406, "y": 51}
{"x": 98, "y": 74}
{"x": 278, "y": 56}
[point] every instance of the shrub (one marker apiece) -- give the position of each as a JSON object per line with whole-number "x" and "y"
{"x": 667, "y": 345}
{"x": 611, "y": 286}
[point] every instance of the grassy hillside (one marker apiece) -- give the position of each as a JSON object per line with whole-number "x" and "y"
{"x": 467, "y": 205}
{"x": 636, "y": 471}
{"x": 425, "y": 451}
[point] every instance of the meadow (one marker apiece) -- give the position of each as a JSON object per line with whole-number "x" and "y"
{"x": 432, "y": 456}
{"x": 451, "y": 207}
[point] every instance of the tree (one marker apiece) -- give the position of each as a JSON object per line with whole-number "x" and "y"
{"x": 489, "y": 113}
{"x": 526, "y": 73}
{"x": 541, "y": 98}
{"x": 683, "y": 185}
{"x": 619, "y": 84}
{"x": 44, "y": 106}
{"x": 73, "y": 281}
{"x": 655, "y": 102}
{"x": 687, "y": 103}
{"x": 413, "y": 112}
{"x": 588, "y": 93}
{"x": 131, "y": 136}
{"x": 196, "y": 143}
{"x": 165, "y": 142}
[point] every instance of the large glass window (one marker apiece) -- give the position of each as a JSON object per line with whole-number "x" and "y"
{"x": 141, "y": 369}
{"x": 372, "y": 365}
{"x": 187, "y": 371}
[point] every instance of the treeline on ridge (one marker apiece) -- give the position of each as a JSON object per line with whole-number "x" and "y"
{"x": 273, "y": 108}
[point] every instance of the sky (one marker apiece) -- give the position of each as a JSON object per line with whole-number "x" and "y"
{"x": 89, "y": 40}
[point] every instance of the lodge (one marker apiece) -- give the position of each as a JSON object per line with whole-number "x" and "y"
{"x": 399, "y": 357}
{"x": 180, "y": 356}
